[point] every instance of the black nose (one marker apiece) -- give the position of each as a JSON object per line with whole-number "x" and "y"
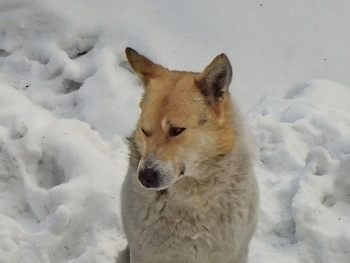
{"x": 149, "y": 178}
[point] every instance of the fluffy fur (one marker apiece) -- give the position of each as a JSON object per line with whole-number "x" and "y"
{"x": 190, "y": 194}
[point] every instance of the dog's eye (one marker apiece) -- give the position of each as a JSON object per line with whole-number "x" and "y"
{"x": 145, "y": 132}
{"x": 175, "y": 131}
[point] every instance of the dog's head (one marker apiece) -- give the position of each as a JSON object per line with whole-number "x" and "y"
{"x": 185, "y": 121}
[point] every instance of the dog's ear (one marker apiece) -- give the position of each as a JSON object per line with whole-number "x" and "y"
{"x": 142, "y": 66}
{"x": 215, "y": 79}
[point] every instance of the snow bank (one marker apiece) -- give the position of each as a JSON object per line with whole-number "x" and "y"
{"x": 59, "y": 187}
{"x": 75, "y": 70}
{"x": 302, "y": 164}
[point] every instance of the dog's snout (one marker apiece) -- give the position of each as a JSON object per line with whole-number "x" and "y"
{"x": 149, "y": 178}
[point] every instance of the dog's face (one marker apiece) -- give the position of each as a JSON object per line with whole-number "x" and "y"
{"x": 185, "y": 119}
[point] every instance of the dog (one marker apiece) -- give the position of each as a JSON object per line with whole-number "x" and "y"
{"x": 190, "y": 194}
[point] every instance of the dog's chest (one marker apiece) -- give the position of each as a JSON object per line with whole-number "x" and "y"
{"x": 196, "y": 228}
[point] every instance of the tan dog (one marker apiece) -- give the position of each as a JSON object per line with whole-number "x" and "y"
{"x": 190, "y": 195}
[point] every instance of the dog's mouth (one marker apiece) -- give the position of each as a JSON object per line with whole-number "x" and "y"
{"x": 183, "y": 169}
{"x": 163, "y": 191}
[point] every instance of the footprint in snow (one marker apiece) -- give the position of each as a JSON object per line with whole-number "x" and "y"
{"x": 49, "y": 173}
{"x": 13, "y": 191}
{"x": 79, "y": 46}
{"x": 320, "y": 163}
{"x": 4, "y": 53}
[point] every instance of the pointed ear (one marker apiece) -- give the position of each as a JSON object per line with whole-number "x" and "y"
{"x": 142, "y": 66}
{"x": 215, "y": 79}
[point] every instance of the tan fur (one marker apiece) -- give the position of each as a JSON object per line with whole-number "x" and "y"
{"x": 199, "y": 202}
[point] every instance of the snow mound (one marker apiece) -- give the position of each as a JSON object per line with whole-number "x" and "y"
{"x": 59, "y": 187}
{"x": 321, "y": 91}
{"x": 75, "y": 70}
{"x": 303, "y": 168}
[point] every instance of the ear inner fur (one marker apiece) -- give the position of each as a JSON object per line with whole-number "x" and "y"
{"x": 142, "y": 66}
{"x": 215, "y": 79}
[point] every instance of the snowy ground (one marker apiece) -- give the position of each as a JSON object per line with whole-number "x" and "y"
{"x": 68, "y": 98}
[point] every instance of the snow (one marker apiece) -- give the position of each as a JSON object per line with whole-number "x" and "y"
{"x": 303, "y": 159}
{"x": 68, "y": 99}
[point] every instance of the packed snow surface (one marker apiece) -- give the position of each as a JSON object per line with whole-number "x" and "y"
{"x": 68, "y": 99}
